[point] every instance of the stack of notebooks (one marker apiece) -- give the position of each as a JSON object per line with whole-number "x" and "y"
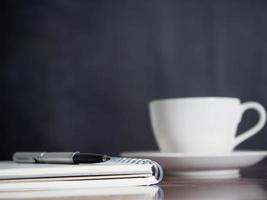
{"x": 115, "y": 172}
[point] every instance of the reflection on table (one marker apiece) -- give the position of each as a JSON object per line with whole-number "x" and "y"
{"x": 252, "y": 186}
{"x": 216, "y": 191}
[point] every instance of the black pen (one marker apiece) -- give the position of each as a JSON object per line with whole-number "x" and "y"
{"x": 59, "y": 157}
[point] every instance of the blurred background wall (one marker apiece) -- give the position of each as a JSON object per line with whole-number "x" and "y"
{"x": 78, "y": 75}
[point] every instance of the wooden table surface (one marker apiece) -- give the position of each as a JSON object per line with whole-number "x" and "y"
{"x": 251, "y": 186}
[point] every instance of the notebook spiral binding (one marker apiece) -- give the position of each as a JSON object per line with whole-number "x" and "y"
{"x": 156, "y": 168}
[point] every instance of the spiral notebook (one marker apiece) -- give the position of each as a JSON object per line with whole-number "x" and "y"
{"x": 115, "y": 172}
{"x": 111, "y": 193}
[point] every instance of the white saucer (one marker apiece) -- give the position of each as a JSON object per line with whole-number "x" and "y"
{"x": 202, "y": 165}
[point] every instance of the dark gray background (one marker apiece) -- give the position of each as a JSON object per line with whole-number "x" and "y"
{"x": 78, "y": 75}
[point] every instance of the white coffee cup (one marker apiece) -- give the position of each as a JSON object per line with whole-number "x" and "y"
{"x": 201, "y": 124}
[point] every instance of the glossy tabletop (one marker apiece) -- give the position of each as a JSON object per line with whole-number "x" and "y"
{"x": 251, "y": 186}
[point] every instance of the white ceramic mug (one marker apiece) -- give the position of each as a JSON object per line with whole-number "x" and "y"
{"x": 201, "y": 124}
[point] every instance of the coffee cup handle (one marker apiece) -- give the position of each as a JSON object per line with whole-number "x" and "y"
{"x": 252, "y": 131}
